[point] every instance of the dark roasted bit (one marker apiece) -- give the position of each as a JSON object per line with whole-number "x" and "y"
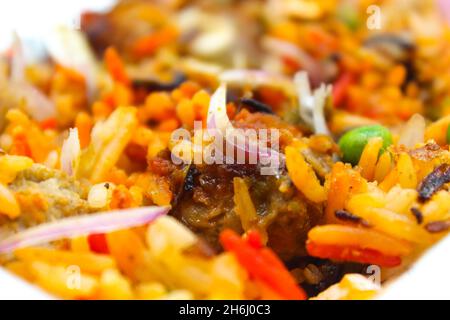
{"x": 434, "y": 181}
{"x": 257, "y": 106}
{"x": 348, "y": 216}
{"x": 390, "y": 39}
{"x": 417, "y": 214}
{"x": 189, "y": 179}
{"x": 155, "y": 85}
{"x": 438, "y": 226}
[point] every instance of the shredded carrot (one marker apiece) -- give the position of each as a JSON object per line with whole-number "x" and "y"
{"x": 120, "y": 95}
{"x": 70, "y": 73}
{"x": 20, "y": 145}
{"x": 116, "y": 176}
{"x": 340, "y": 88}
{"x": 84, "y": 124}
{"x": 262, "y": 264}
{"x": 49, "y": 124}
{"x": 116, "y": 67}
{"x": 149, "y": 44}
{"x": 101, "y": 110}
{"x": 345, "y": 253}
{"x": 121, "y": 198}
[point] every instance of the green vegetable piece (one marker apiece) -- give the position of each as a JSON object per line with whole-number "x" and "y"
{"x": 353, "y": 142}
{"x": 448, "y": 134}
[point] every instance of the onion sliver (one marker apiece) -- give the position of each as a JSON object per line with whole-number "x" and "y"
{"x": 70, "y": 152}
{"x": 36, "y": 103}
{"x": 220, "y": 125}
{"x": 82, "y": 225}
{"x": 413, "y": 132}
{"x": 312, "y": 104}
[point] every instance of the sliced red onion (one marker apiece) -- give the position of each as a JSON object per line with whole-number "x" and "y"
{"x": 257, "y": 78}
{"x": 82, "y": 225}
{"x": 220, "y": 125}
{"x": 70, "y": 152}
{"x": 444, "y": 6}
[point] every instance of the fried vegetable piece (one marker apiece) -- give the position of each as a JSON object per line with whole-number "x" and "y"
{"x": 434, "y": 181}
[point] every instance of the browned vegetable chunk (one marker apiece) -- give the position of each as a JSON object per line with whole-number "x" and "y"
{"x": 434, "y": 181}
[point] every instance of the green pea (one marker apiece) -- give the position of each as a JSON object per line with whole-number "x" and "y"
{"x": 448, "y": 134}
{"x": 353, "y": 142}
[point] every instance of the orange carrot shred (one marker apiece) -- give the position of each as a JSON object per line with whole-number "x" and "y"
{"x": 149, "y": 44}
{"x": 50, "y": 123}
{"x": 263, "y": 265}
{"x": 116, "y": 67}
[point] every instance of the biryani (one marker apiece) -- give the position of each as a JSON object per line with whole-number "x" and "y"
{"x": 227, "y": 149}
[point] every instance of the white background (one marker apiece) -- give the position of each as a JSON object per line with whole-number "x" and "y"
{"x": 34, "y": 18}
